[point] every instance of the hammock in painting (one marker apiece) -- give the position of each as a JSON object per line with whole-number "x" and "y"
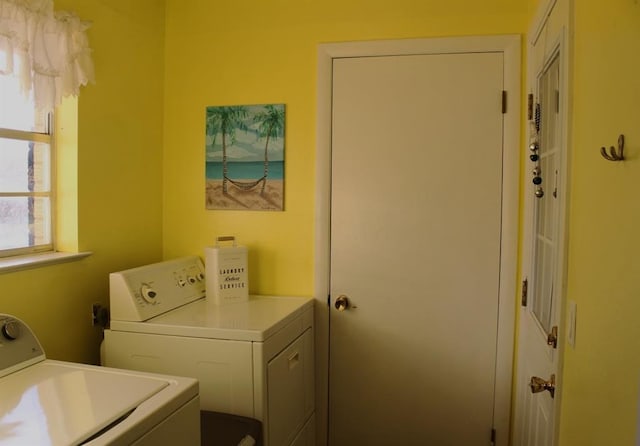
{"x": 246, "y": 185}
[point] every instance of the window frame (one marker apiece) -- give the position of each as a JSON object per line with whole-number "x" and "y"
{"x": 46, "y": 137}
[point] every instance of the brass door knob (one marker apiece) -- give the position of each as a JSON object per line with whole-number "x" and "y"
{"x": 540, "y": 385}
{"x": 342, "y": 303}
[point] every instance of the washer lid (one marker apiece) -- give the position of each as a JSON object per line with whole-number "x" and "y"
{"x": 54, "y": 404}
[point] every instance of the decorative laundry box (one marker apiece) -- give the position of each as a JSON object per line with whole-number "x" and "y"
{"x": 226, "y": 271}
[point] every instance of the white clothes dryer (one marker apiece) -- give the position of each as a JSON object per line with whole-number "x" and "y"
{"x": 47, "y": 402}
{"x": 253, "y": 358}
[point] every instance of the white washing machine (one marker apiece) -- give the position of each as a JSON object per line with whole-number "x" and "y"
{"x": 46, "y": 402}
{"x": 253, "y": 358}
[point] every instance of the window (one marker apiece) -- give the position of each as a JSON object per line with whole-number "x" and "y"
{"x": 25, "y": 172}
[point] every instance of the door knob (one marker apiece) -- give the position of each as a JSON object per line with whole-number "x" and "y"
{"x": 540, "y": 385}
{"x": 342, "y": 303}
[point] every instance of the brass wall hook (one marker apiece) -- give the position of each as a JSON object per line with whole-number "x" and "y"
{"x": 614, "y": 155}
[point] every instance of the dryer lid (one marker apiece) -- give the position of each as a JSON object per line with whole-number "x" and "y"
{"x": 51, "y": 403}
{"x": 254, "y": 320}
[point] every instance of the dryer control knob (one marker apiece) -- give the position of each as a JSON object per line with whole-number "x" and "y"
{"x": 148, "y": 294}
{"x": 11, "y": 330}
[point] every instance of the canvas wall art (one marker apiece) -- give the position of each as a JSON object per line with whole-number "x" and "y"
{"x": 245, "y": 157}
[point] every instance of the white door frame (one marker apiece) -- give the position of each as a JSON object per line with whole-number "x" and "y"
{"x": 550, "y": 30}
{"x": 509, "y": 45}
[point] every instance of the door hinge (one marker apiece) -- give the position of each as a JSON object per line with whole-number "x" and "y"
{"x": 552, "y": 338}
{"x": 504, "y": 101}
{"x": 525, "y": 291}
{"x": 530, "y": 107}
{"x": 493, "y": 437}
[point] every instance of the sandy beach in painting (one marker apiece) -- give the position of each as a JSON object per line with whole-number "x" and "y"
{"x": 271, "y": 200}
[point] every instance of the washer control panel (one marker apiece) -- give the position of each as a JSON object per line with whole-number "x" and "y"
{"x": 19, "y": 347}
{"x": 141, "y": 293}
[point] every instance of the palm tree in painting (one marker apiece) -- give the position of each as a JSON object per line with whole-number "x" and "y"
{"x": 226, "y": 120}
{"x": 212, "y": 128}
{"x": 270, "y": 124}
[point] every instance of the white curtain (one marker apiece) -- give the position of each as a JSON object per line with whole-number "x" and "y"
{"x": 48, "y": 51}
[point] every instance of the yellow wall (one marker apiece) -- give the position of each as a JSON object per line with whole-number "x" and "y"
{"x": 254, "y": 52}
{"x": 601, "y": 376}
{"x": 118, "y": 201}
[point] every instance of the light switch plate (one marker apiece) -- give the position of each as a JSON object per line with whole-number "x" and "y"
{"x": 571, "y": 323}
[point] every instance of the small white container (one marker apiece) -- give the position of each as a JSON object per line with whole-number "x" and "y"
{"x": 227, "y": 272}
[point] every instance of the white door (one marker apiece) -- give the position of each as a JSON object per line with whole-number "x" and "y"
{"x": 541, "y": 330}
{"x": 416, "y": 214}
{"x": 539, "y": 322}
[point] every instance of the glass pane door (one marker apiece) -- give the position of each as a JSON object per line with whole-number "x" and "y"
{"x": 545, "y": 157}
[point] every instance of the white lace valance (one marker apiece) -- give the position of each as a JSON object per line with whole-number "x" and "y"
{"x": 49, "y": 52}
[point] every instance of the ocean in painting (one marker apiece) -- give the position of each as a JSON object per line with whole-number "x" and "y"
{"x": 247, "y": 170}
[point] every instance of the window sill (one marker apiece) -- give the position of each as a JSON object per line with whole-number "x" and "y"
{"x": 19, "y": 263}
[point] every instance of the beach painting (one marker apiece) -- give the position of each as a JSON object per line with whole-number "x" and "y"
{"x": 245, "y": 157}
